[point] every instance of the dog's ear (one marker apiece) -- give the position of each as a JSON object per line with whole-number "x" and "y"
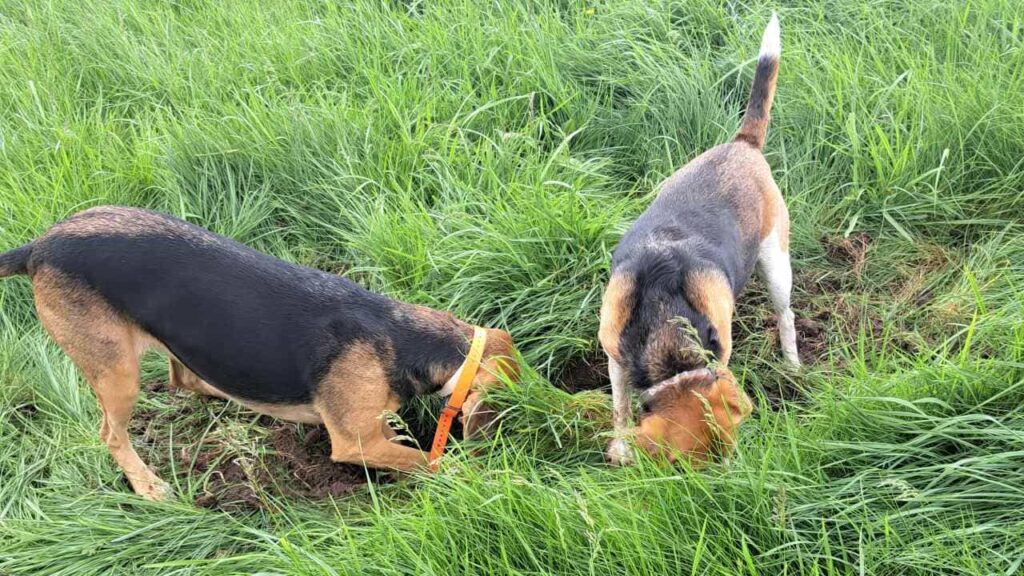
{"x": 698, "y": 413}
{"x": 729, "y": 405}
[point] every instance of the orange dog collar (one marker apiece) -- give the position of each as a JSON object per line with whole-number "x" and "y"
{"x": 458, "y": 397}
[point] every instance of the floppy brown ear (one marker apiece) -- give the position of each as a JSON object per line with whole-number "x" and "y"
{"x": 730, "y": 406}
{"x": 674, "y": 423}
{"x": 692, "y": 413}
{"x": 736, "y": 397}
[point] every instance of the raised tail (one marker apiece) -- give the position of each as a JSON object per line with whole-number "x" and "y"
{"x": 755, "y": 119}
{"x": 15, "y": 261}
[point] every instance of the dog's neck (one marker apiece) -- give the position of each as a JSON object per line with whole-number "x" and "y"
{"x": 449, "y": 385}
{"x": 452, "y": 378}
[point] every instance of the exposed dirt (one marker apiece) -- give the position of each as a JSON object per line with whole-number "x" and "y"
{"x": 309, "y": 461}
{"x": 231, "y": 486}
{"x": 923, "y": 297}
{"x": 851, "y": 250}
{"x": 812, "y": 339}
{"x": 278, "y": 460}
{"x": 811, "y": 336}
{"x": 588, "y": 372}
{"x": 23, "y": 415}
{"x": 298, "y": 466}
{"x": 831, "y": 306}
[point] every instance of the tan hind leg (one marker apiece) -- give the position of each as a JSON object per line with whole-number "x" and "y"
{"x": 106, "y": 348}
{"x": 178, "y": 376}
{"x": 351, "y": 400}
{"x": 117, "y": 389}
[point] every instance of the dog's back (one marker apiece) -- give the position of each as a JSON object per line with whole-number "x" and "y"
{"x": 255, "y": 327}
{"x": 696, "y": 246}
{"x": 705, "y": 210}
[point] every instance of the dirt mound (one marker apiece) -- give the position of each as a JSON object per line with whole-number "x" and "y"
{"x": 309, "y": 462}
{"x": 850, "y": 250}
{"x": 240, "y": 466}
{"x": 812, "y": 339}
{"x": 298, "y": 466}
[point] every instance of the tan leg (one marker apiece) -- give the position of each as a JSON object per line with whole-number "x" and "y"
{"x": 178, "y": 376}
{"x": 373, "y": 450}
{"x": 367, "y": 442}
{"x": 616, "y": 307}
{"x": 117, "y": 390}
{"x": 351, "y": 399}
{"x": 106, "y": 348}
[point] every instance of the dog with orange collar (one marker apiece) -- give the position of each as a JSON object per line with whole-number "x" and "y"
{"x": 285, "y": 340}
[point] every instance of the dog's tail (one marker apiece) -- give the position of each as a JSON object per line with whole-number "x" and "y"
{"x": 15, "y": 261}
{"x": 755, "y": 120}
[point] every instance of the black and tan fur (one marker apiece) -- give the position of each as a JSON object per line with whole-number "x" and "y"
{"x": 688, "y": 256}
{"x": 293, "y": 342}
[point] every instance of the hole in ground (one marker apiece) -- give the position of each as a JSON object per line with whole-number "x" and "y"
{"x": 586, "y": 372}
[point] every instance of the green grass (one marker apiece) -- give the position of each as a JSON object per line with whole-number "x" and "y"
{"x": 484, "y": 158}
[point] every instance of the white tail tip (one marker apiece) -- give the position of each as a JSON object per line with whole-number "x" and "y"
{"x": 771, "y": 42}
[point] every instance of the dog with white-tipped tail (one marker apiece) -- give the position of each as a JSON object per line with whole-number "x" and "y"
{"x": 666, "y": 317}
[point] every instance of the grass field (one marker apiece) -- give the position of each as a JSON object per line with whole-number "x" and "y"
{"x": 484, "y": 158}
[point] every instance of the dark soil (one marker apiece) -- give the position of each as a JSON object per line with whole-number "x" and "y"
{"x": 812, "y": 340}
{"x": 23, "y": 415}
{"x": 298, "y": 466}
{"x": 281, "y": 460}
{"x": 587, "y": 372}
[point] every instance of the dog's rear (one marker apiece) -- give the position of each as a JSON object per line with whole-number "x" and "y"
{"x": 15, "y": 261}
{"x": 687, "y": 256}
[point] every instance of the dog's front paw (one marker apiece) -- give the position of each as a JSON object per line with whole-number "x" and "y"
{"x": 155, "y": 489}
{"x": 619, "y": 453}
